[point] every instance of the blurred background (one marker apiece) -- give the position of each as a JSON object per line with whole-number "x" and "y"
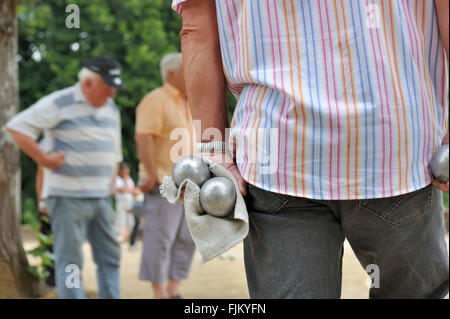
{"x": 135, "y": 32}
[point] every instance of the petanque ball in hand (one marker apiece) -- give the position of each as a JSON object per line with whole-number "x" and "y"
{"x": 218, "y": 196}
{"x": 439, "y": 164}
{"x": 192, "y": 168}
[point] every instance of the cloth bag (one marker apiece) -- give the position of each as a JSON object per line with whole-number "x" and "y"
{"x": 212, "y": 235}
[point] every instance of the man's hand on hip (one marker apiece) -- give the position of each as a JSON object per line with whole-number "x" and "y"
{"x": 53, "y": 161}
{"x": 148, "y": 185}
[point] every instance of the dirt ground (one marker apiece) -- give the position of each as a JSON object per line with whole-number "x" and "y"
{"x": 220, "y": 278}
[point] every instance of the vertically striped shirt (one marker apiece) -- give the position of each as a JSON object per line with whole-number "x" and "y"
{"x": 337, "y": 99}
{"x": 89, "y": 135}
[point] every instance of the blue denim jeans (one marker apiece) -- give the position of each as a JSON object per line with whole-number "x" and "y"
{"x": 74, "y": 220}
{"x": 295, "y": 245}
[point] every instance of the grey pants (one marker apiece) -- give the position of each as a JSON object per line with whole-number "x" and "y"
{"x": 168, "y": 245}
{"x": 295, "y": 245}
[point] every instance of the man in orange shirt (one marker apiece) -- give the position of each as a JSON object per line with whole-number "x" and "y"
{"x": 161, "y": 117}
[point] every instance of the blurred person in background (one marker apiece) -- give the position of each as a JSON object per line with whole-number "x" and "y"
{"x": 125, "y": 192}
{"x": 168, "y": 248}
{"x": 83, "y": 124}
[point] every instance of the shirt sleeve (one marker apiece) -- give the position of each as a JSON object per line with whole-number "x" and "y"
{"x": 150, "y": 115}
{"x": 38, "y": 117}
{"x": 176, "y": 5}
{"x": 45, "y": 143}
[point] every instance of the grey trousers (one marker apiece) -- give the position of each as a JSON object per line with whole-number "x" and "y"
{"x": 295, "y": 245}
{"x": 168, "y": 246}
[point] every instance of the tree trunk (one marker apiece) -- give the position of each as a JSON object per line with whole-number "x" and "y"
{"x": 15, "y": 279}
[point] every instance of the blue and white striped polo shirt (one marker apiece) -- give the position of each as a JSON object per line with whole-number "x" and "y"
{"x": 90, "y": 136}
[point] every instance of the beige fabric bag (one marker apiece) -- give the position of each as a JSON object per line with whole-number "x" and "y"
{"x": 212, "y": 235}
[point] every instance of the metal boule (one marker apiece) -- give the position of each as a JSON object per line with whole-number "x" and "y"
{"x": 192, "y": 168}
{"x": 439, "y": 164}
{"x": 218, "y": 196}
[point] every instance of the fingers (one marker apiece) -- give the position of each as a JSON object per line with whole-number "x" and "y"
{"x": 182, "y": 196}
{"x": 441, "y": 186}
{"x": 446, "y": 139}
{"x": 226, "y": 160}
{"x": 143, "y": 188}
{"x": 147, "y": 186}
{"x": 240, "y": 180}
{"x": 56, "y": 160}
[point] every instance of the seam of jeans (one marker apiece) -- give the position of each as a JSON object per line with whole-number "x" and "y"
{"x": 417, "y": 213}
{"x": 282, "y": 205}
{"x": 281, "y": 199}
{"x": 398, "y": 202}
{"x": 405, "y": 220}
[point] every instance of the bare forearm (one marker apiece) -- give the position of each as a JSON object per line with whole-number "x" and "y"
{"x": 28, "y": 146}
{"x": 146, "y": 153}
{"x": 39, "y": 179}
{"x": 442, "y": 8}
{"x": 203, "y": 70}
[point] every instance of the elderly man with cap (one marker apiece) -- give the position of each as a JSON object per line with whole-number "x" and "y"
{"x": 83, "y": 126}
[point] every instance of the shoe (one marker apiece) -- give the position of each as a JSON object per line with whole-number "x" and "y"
{"x": 176, "y": 297}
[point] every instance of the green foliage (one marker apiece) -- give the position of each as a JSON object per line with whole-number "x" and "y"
{"x": 29, "y": 213}
{"x": 46, "y": 257}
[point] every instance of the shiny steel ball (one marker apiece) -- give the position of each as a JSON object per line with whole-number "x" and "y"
{"x": 192, "y": 168}
{"x": 439, "y": 164}
{"x": 218, "y": 196}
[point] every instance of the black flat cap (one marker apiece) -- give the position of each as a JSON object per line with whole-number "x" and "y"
{"x": 108, "y": 68}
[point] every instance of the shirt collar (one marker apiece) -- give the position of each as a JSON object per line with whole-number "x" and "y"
{"x": 172, "y": 91}
{"x": 78, "y": 93}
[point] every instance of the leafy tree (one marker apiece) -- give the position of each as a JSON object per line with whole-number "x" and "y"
{"x": 15, "y": 279}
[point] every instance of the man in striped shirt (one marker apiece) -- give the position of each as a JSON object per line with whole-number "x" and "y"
{"x": 83, "y": 131}
{"x": 340, "y": 106}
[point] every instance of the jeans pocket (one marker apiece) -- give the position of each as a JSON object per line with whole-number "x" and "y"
{"x": 400, "y": 210}
{"x": 263, "y": 201}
